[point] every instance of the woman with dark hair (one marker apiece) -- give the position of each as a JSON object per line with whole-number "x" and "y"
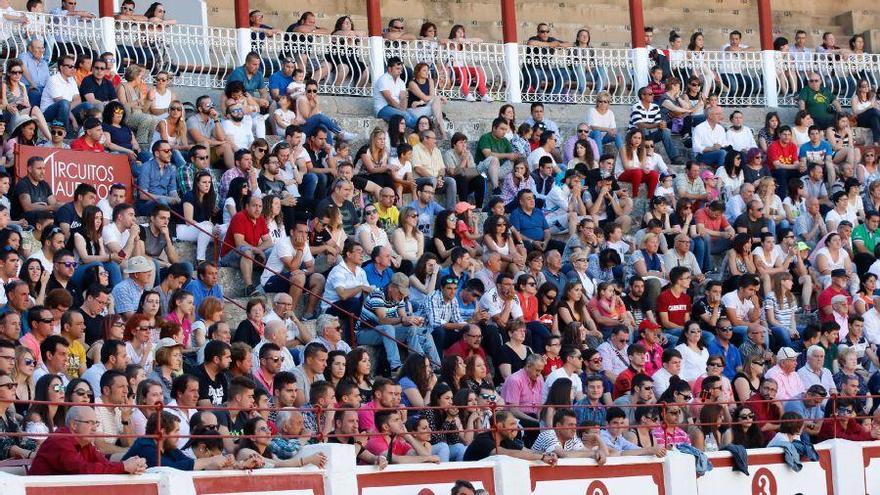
{"x": 739, "y": 261}
{"x": 744, "y": 430}
{"x": 694, "y": 353}
{"x": 37, "y": 278}
{"x": 801, "y": 129}
{"x": 199, "y": 206}
{"x": 88, "y": 248}
{"x": 236, "y": 198}
{"x": 335, "y": 370}
{"x": 791, "y": 425}
{"x": 79, "y": 391}
{"x": 445, "y": 418}
{"x": 14, "y": 96}
{"x": 730, "y": 176}
{"x": 257, "y": 438}
{"x": 43, "y": 419}
{"x": 515, "y": 351}
{"x": 423, "y": 280}
{"x": 452, "y": 370}
{"x": 770, "y": 131}
{"x": 573, "y": 308}
{"x": 423, "y": 92}
{"x": 559, "y": 396}
{"x": 416, "y": 378}
{"x": 866, "y": 109}
{"x": 358, "y": 369}
{"x": 585, "y": 70}
{"x": 472, "y": 418}
{"x": 707, "y": 435}
{"x": 122, "y": 139}
{"x": 250, "y": 330}
{"x": 445, "y": 239}
{"x": 343, "y": 54}
{"x": 10, "y": 239}
{"x": 645, "y": 418}
{"x": 461, "y": 70}
{"x": 498, "y": 238}
{"x": 24, "y": 132}
{"x": 547, "y": 301}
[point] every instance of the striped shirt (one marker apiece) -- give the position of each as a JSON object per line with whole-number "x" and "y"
{"x": 376, "y": 300}
{"x": 547, "y": 443}
{"x": 784, "y": 312}
{"x": 441, "y": 312}
{"x": 640, "y": 114}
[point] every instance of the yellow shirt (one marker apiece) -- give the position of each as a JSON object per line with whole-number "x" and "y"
{"x": 76, "y": 360}
{"x": 388, "y": 218}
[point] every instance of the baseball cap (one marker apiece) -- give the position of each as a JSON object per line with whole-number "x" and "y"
{"x": 402, "y": 283}
{"x": 167, "y": 342}
{"x": 803, "y": 246}
{"x": 786, "y": 353}
{"x": 648, "y": 325}
{"x": 463, "y": 206}
{"x": 138, "y": 264}
{"x": 707, "y": 174}
{"x": 838, "y": 272}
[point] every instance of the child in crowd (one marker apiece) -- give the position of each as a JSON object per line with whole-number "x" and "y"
{"x": 283, "y": 115}
{"x": 665, "y": 190}
{"x": 403, "y": 170}
{"x": 297, "y": 87}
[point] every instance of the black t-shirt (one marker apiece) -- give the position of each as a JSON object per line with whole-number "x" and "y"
{"x": 94, "y": 330}
{"x": 268, "y": 186}
{"x": 67, "y": 214}
{"x": 53, "y": 283}
{"x": 483, "y": 446}
{"x": 103, "y": 91}
{"x": 216, "y": 391}
{"x": 753, "y": 228}
{"x": 235, "y": 427}
{"x": 39, "y": 193}
{"x": 349, "y": 213}
{"x": 639, "y": 309}
{"x": 700, "y": 308}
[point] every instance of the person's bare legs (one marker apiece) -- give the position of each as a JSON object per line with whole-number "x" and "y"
{"x": 297, "y": 282}
{"x": 316, "y": 287}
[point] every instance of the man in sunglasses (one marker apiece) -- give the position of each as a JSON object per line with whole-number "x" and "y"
{"x": 61, "y": 95}
{"x": 767, "y": 408}
{"x": 819, "y": 101}
{"x": 204, "y": 129}
{"x": 95, "y": 89}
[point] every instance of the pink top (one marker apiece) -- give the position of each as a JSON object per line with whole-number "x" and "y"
{"x": 790, "y": 385}
{"x": 519, "y": 390}
{"x": 186, "y": 325}
{"x": 667, "y": 440}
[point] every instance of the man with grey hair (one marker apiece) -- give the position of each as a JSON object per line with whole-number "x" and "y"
{"x": 36, "y": 70}
{"x": 288, "y": 442}
{"x": 492, "y": 264}
{"x": 523, "y": 391}
{"x": 330, "y": 334}
{"x": 275, "y": 333}
{"x": 429, "y": 167}
{"x": 296, "y": 334}
{"x": 389, "y": 317}
{"x": 76, "y": 454}
{"x": 737, "y": 204}
{"x": 681, "y": 255}
{"x": 814, "y": 371}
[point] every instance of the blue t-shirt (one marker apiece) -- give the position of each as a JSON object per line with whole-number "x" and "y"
{"x": 376, "y": 279}
{"x": 530, "y": 226}
{"x": 405, "y": 384}
{"x": 67, "y": 214}
{"x": 252, "y": 85}
{"x": 815, "y": 154}
{"x": 732, "y": 358}
{"x": 280, "y": 82}
{"x": 146, "y": 448}
{"x": 120, "y": 136}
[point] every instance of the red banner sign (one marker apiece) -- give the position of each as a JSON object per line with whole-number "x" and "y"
{"x": 65, "y": 169}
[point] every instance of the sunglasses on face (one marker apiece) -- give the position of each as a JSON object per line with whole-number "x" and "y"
{"x": 59, "y": 133}
{"x": 57, "y": 388}
{"x": 68, "y": 264}
{"x": 83, "y": 393}
{"x": 747, "y": 416}
{"x": 30, "y": 362}
{"x": 312, "y": 91}
{"x": 10, "y": 385}
{"x": 14, "y": 72}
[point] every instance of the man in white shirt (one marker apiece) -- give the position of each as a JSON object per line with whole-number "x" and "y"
{"x": 710, "y": 139}
{"x": 283, "y": 311}
{"x": 122, "y": 234}
{"x": 670, "y": 365}
{"x": 872, "y": 322}
{"x": 572, "y": 362}
{"x": 565, "y": 206}
{"x": 814, "y": 372}
{"x": 501, "y": 302}
{"x": 61, "y": 94}
{"x": 238, "y": 127}
{"x": 739, "y": 136}
{"x": 732, "y": 74}
{"x": 275, "y": 333}
{"x": 185, "y": 390}
{"x": 390, "y": 96}
{"x": 547, "y": 144}
{"x": 293, "y": 258}
{"x": 346, "y": 284}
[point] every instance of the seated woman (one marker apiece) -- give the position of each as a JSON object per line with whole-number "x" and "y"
{"x": 408, "y": 242}
{"x": 423, "y": 93}
{"x": 537, "y": 331}
{"x": 259, "y": 440}
{"x": 498, "y": 238}
{"x": 445, "y": 239}
{"x": 573, "y": 309}
{"x": 89, "y": 250}
{"x": 608, "y": 309}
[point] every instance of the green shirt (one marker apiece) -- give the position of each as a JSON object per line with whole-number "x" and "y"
{"x": 818, "y": 104}
{"x": 870, "y": 239}
{"x": 496, "y": 145}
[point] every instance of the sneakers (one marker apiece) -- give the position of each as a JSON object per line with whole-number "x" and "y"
{"x": 254, "y": 290}
{"x": 470, "y": 97}
{"x": 486, "y": 99}
{"x": 348, "y": 136}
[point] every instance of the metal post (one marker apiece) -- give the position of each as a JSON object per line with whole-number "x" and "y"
{"x": 768, "y": 56}
{"x": 511, "y": 51}
{"x": 377, "y": 44}
{"x": 242, "y": 30}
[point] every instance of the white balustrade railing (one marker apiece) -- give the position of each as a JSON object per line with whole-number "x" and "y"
{"x": 340, "y": 64}
{"x": 458, "y": 70}
{"x": 576, "y": 75}
{"x": 203, "y": 56}
{"x": 60, "y": 35}
{"x": 200, "y": 56}
{"x": 840, "y": 72}
{"x": 737, "y": 77}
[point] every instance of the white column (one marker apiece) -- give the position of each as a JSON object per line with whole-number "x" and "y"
{"x": 511, "y": 66}
{"x": 242, "y": 44}
{"x": 108, "y": 34}
{"x": 640, "y": 67}
{"x": 377, "y": 57}
{"x": 768, "y": 67}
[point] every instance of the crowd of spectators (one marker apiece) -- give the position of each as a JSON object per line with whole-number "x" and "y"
{"x": 503, "y": 294}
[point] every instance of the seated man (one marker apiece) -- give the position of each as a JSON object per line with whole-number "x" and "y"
{"x": 147, "y": 449}
{"x": 76, "y": 454}
{"x": 429, "y": 167}
{"x": 530, "y": 222}
{"x": 346, "y": 285}
{"x": 158, "y": 245}
{"x": 249, "y": 234}
{"x": 292, "y": 258}
{"x": 390, "y": 96}
{"x": 157, "y": 182}
{"x": 393, "y": 437}
{"x": 501, "y": 441}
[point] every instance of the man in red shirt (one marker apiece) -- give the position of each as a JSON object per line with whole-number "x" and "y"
{"x": 839, "y": 279}
{"x": 713, "y": 226}
{"x": 91, "y": 138}
{"x": 468, "y": 345}
{"x": 247, "y": 232}
{"x": 77, "y": 454}
{"x": 767, "y": 409}
{"x": 782, "y": 158}
{"x": 673, "y": 304}
{"x": 637, "y": 356}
